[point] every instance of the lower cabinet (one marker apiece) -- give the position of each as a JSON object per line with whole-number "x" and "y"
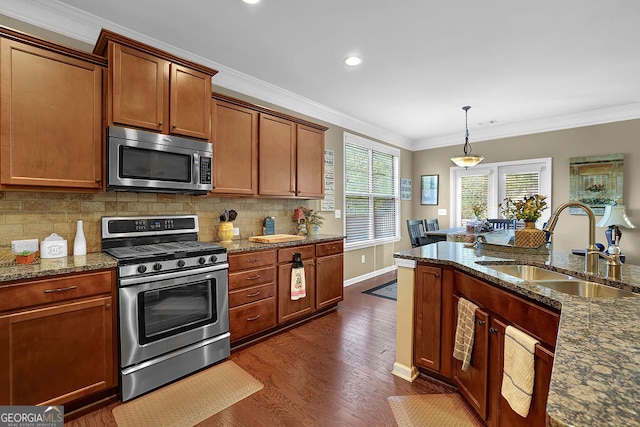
{"x": 289, "y": 309}
{"x": 481, "y": 384}
{"x": 57, "y": 339}
{"x": 329, "y": 274}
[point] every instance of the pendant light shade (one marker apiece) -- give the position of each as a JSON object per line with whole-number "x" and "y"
{"x": 468, "y": 160}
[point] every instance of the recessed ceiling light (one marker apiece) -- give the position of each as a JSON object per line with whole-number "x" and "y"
{"x": 251, "y": 1}
{"x": 352, "y": 61}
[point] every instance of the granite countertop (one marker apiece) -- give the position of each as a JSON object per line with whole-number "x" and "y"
{"x": 244, "y": 245}
{"x": 596, "y": 370}
{"x": 54, "y": 266}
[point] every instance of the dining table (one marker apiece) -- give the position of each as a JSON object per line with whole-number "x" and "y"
{"x": 461, "y": 234}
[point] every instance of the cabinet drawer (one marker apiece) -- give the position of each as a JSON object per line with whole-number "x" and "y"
{"x": 247, "y": 295}
{"x": 329, "y": 248}
{"x": 252, "y": 318}
{"x": 252, "y": 277}
{"x": 238, "y": 262}
{"x": 286, "y": 254}
{"x": 38, "y": 292}
{"x": 531, "y": 317}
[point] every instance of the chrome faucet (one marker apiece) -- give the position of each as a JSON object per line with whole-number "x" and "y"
{"x": 592, "y": 254}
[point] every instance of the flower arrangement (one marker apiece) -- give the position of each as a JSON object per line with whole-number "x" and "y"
{"x": 478, "y": 209}
{"x": 596, "y": 187}
{"x": 528, "y": 209}
{"x": 311, "y": 217}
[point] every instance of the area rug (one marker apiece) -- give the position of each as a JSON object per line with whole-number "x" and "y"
{"x": 432, "y": 410}
{"x": 388, "y": 290}
{"x": 190, "y": 400}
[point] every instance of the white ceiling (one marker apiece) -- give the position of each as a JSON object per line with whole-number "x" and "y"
{"x": 530, "y": 66}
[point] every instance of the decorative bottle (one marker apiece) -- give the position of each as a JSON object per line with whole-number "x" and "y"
{"x": 79, "y": 243}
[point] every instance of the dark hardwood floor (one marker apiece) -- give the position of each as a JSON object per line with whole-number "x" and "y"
{"x": 334, "y": 370}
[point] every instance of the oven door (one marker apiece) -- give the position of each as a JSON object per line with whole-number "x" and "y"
{"x": 169, "y": 311}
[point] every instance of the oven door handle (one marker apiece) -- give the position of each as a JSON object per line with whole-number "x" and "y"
{"x": 173, "y": 275}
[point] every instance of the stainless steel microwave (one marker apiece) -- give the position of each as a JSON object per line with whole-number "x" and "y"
{"x": 150, "y": 162}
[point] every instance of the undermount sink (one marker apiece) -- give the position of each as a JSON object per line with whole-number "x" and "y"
{"x": 529, "y": 272}
{"x": 561, "y": 282}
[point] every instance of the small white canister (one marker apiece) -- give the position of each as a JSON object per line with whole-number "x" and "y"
{"x": 53, "y": 246}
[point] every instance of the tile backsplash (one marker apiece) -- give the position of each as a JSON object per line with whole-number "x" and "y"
{"x": 35, "y": 215}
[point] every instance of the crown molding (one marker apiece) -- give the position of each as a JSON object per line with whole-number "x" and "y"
{"x": 61, "y": 18}
{"x": 549, "y": 124}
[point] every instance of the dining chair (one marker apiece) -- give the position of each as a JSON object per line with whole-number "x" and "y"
{"x": 431, "y": 224}
{"x": 502, "y": 223}
{"x": 416, "y": 231}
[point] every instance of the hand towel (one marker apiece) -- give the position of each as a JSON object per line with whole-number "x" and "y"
{"x": 519, "y": 369}
{"x": 465, "y": 331}
{"x": 298, "y": 285}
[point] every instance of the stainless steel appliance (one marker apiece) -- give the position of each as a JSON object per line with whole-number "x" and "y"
{"x": 151, "y": 162}
{"x": 173, "y": 299}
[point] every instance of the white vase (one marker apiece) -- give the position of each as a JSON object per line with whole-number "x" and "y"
{"x": 79, "y": 243}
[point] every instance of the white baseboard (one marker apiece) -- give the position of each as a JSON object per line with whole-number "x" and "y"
{"x": 369, "y": 275}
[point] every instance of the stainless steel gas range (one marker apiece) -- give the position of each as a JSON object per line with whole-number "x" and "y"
{"x": 173, "y": 300}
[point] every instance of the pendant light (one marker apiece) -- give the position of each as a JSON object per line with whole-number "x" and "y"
{"x": 468, "y": 160}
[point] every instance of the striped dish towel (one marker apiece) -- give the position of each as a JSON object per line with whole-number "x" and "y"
{"x": 465, "y": 331}
{"x": 298, "y": 285}
{"x": 519, "y": 370}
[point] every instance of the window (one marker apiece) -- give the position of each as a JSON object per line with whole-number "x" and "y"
{"x": 371, "y": 192}
{"x": 491, "y": 183}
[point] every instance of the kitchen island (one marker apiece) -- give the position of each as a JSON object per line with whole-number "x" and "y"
{"x": 596, "y": 368}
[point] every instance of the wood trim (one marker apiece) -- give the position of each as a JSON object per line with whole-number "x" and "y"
{"x": 11, "y": 34}
{"x": 106, "y": 36}
{"x": 261, "y": 109}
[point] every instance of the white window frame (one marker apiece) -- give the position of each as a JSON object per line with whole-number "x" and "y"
{"x": 382, "y": 148}
{"x": 496, "y": 172}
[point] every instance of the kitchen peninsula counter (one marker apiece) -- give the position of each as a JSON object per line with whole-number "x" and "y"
{"x": 596, "y": 370}
{"x": 48, "y": 267}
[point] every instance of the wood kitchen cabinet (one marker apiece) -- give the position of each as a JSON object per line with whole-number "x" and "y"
{"x": 154, "y": 90}
{"x": 481, "y": 384}
{"x": 252, "y": 300}
{"x": 289, "y": 309}
{"x": 309, "y": 162}
{"x": 432, "y": 319}
{"x": 50, "y": 115}
{"x": 57, "y": 339}
{"x": 329, "y": 274}
{"x": 235, "y": 149}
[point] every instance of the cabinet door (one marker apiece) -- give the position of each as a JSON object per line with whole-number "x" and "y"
{"x": 428, "y": 317}
{"x": 235, "y": 149}
{"x": 50, "y": 119}
{"x": 53, "y": 355}
{"x": 473, "y": 383}
{"x": 310, "y": 162}
{"x": 277, "y": 156}
{"x": 139, "y": 89}
{"x": 501, "y": 413}
{"x": 287, "y": 308}
{"x": 190, "y": 111}
{"x": 329, "y": 280}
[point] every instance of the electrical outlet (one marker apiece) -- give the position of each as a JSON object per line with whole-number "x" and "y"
{"x": 442, "y": 211}
{"x": 363, "y": 259}
{"x": 337, "y": 213}
{"x": 18, "y": 246}
{"x": 236, "y": 231}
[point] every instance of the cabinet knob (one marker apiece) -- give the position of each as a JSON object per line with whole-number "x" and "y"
{"x": 159, "y": 123}
{"x": 481, "y": 322}
{"x": 107, "y": 306}
{"x": 493, "y": 330}
{"x": 98, "y": 180}
{"x": 174, "y": 126}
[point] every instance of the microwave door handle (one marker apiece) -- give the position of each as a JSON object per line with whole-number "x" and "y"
{"x": 195, "y": 178}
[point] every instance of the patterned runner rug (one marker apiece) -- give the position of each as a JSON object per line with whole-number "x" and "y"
{"x": 191, "y": 400}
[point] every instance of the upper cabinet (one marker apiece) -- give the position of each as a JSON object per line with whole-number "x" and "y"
{"x": 154, "y": 90}
{"x": 50, "y": 115}
{"x": 262, "y": 152}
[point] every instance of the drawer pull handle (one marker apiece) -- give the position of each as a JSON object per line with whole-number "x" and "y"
{"x": 481, "y": 322}
{"x": 253, "y": 260}
{"x": 251, "y": 319}
{"x": 255, "y": 294}
{"x": 52, "y": 291}
{"x": 493, "y": 330}
{"x": 257, "y": 276}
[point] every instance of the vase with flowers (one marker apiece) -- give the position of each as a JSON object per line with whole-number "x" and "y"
{"x": 309, "y": 221}
{"x": 529, "y": 209}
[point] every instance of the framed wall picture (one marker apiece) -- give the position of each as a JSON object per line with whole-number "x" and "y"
{"x": 596, "y": 181}
{"x": 429, "y": 190}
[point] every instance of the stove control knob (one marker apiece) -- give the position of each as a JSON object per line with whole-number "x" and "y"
{"x": 181, "y": 263}
{"x": 213, "y": 258}
{"x": 142, "y": 268}
{"x": 201, "y": 260}
{"x": 157, "y": 266}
